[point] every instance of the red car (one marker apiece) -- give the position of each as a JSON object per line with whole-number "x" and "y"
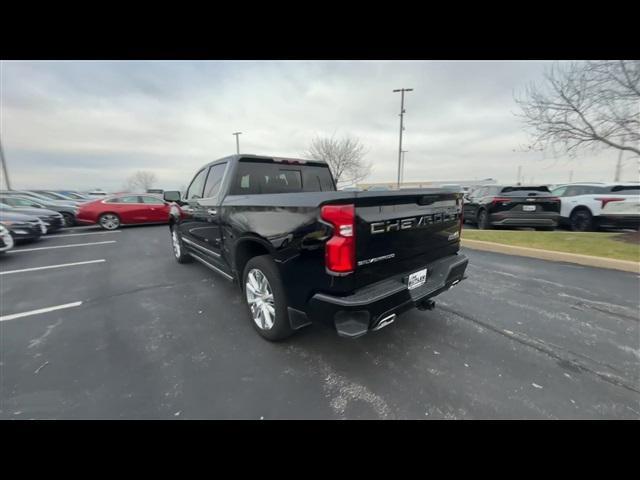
{"x": 116, "y": 210}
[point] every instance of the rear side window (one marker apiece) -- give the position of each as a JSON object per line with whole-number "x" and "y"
{"x": 575, "y": 190}
{"x": 262, "y": 177}
{"x": 152, "y": 200}
{"x": 214, "y": 180}
{"x": 559, "y": 192}
{"x": 127, "y": 199}
{"x": 631, "y": 189}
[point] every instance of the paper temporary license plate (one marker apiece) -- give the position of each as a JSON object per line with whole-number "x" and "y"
{"x": 528, "y": 208}
{"x": 417, "y": 278}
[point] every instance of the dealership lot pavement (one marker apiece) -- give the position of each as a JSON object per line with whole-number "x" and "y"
{"x": 138, "y": 336}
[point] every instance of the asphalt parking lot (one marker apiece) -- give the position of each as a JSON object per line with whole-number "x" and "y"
{"x": 142, "y": 337}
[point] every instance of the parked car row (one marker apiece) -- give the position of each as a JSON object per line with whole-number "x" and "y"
{"x": 30, "y": 200}
{"x": 24, "y": 215}
{"x": 580, "y": 206}
{"x": 18, "y": 227}
{"x": 124, "y": 209}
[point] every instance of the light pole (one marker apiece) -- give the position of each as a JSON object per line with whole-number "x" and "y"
{"x": 402, "y": 168}
{"x": 237, "y": 134}
{"x": 4, "y": 167}
{"x": 401, "y": 90}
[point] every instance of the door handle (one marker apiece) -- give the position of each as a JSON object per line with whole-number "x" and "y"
{"x": 212, "y": 211}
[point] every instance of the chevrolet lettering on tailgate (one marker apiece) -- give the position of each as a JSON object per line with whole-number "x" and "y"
{"x": 413, "y": 222}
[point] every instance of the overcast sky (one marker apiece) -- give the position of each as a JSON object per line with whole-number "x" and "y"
{"x": 84, "y": 125}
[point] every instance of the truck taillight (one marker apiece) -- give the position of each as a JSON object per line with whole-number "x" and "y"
{"x": 340, "y": 249}
{"x": 606, "y": 200}
{"x": 500, "y": 200}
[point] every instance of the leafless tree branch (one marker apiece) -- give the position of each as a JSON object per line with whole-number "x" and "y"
{"x": 142, "y": 180}
{"x": 345, "y": 157}
{"x": 590, "y": 105}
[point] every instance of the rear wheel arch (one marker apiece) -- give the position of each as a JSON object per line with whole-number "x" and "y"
{"x": 245, "y": 250}
{"x": 580, "y": 207}
{"x": 109, "y": 213}
{"x": 590, "y": 224}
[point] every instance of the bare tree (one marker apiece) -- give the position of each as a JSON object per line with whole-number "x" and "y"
{"x": 345, "y": 157}
{"x": 585, "y": 105}
{"x": 141, "y": 180}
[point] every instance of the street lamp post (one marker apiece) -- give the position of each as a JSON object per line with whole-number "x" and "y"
{"x": 401, "y": 90}
{"x": 4, "y": 168}
{"x": 237, "y": 134}
{"x": 402, "y": 167}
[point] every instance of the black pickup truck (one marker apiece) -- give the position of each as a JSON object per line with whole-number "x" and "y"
{"x": 302, "y": 251}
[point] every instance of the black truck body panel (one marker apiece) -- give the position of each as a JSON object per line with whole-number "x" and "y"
{"x": 396, "y": 233}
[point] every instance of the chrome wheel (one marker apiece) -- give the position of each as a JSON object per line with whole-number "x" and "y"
{"x": 260, "y": 299}
{"x": 176, "y": 243}
{"x": 109, "y": 221}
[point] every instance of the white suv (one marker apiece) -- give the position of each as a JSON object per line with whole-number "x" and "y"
{"x": 589, "y": 206}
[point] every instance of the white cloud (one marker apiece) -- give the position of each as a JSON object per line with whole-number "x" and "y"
{"x": 90, "y": 124}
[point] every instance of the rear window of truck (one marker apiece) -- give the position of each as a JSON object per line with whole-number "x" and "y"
{"x": 541, "y": 188}
{"x": 264, "y": 177}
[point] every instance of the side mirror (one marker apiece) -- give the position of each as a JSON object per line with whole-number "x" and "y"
{"x": 171, "y": 196}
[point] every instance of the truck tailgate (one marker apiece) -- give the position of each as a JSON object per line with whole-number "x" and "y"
{"x": 401, "y": 231}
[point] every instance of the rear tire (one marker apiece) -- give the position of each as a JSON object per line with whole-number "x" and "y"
{"x": 581, "y": 220}
{"x": 265, "y": 299}
{"x": 109, "y": 221}
{"x": 179, "y": 252}
{"x": 483, "y": 220}
{"x": 69, "y": 219}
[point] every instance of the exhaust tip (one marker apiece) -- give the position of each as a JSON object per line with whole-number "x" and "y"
{"x": 385, "y": 321}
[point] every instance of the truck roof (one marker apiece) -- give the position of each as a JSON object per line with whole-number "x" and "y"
{"x": 237, "y": 157}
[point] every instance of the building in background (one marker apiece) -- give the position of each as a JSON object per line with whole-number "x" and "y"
{"x": 465, "y": 184}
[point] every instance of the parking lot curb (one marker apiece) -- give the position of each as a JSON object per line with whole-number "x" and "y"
{"x": 588, "y": 260}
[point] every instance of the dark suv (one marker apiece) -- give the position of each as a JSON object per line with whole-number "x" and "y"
{"x": 512, "y": 206}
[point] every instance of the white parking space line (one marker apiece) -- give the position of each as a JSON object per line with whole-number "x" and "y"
{"x": 78, "y": 234}
{"x": 83, "y": 227}
{"x": 40, "y": 310}
{"x": 60, "y": 246}
{"x": 52, "y": 266}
